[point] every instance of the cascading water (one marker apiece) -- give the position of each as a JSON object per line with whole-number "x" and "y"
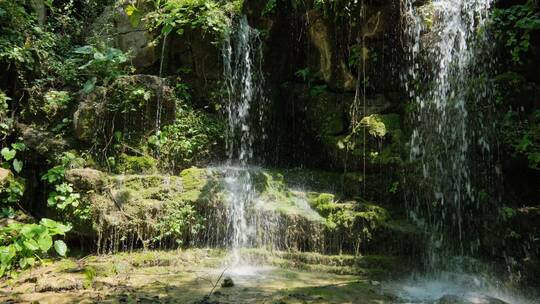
{"x": 443, "y": 39}
{"x": 244, "y": 80}
{"x": 245, "y": 89}
{"x": 446, "y": 78}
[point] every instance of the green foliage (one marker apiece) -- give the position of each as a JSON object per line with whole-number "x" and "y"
{"x": 339, "y": 9}
{"x": 23, "y": 245}
{"x": 54, "y": 175}
{"x": 11, "y": 191}
{"x": 269, "y": 8}
{"x": 63, "y": 198}
{"x": 6, "y": 122}
{"x": 23, "y": 44}
{"x": 313, "y": 80}
{"x": 55, "y": 101}
{"x": 374, "y": 125}
{"x": 130, "y": 99}
{"x": 180, "y": 221}
{"x": 394, "y": 187}
{"x": 8, "y": 154}
{"x": 100, "y": 64}
{"x": 523, "y": 134}
{"x": 189, "y": 139}
{"x": 211, "y": 16}
{"x": 514, "y": 26}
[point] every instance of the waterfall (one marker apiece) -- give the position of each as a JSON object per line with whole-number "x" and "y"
{"x": 444, "y": 39}
{"x": 244, "y": 83}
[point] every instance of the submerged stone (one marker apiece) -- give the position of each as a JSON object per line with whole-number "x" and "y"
{"x": 227, "y": 282}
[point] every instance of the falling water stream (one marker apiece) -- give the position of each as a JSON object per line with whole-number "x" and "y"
{"x": 443, "y": 39}
{"x": 244, "y": 83}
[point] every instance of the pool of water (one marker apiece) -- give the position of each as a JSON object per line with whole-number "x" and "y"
{"x": 453, "y": 289}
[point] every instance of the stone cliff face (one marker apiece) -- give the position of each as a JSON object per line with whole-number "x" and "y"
{"x": 318, "y": 67}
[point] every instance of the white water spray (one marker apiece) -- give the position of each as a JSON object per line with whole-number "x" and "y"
{"x": 245, "y": 89}
{"x": 443, "y": 41}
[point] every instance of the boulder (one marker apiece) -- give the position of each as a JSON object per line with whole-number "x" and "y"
{"x": 329, "y": 64}
{"x": 86, "y": 178}
{"x": 41, "y": 141}
{"x": 87, "y": 114}
{"x": 128, "y": 35}
{"x": 39, "y": 8}
{"x": 227, "y": 282}
{"x": 137, "y": 97}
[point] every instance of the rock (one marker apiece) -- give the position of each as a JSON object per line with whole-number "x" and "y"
{"x": 39, "y": 8}
{"x": 86, "y": 178}
{"x": 5, "y": 176}
{"x": 41, "y": 141}
{"x": 198, "y": 58}
{"x": 86, "y": 116}
{"x": 227, "y": 282}
{"x": 451, "y": 299}
{"x": 53, "y": 284}
{"x": 478, "y": 299}
{"x": 129, "y": 37}
{"x": 137, "y": 96}
{"x": 331, "y": 66}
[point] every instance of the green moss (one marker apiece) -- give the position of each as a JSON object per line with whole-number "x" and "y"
{"x": 136, "y": 164}
{"x": 324, "y": 203}
{"x": 194, "y": 178}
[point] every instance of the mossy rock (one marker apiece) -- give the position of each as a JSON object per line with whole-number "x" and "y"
{"x": 154, "y": 208}
{"x": 128, "y": 164}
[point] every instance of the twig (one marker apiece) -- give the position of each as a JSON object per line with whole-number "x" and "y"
{"x": 217, "y": 282}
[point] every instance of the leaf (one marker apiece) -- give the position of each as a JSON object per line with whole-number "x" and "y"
{"x": 7, "y": 253}
{"x": 17, "y": 165}
{"x": 19, "y": 146}
{"x": 89, "y": 85}
{"x": 45, "y": 241}
{"x": 8, "y": 154}
{"x": 31, "y": 245}
{"x": 99, "y": 56}
{"x": 54, "y": 227}
{"x": 134, "y": 15}
{"x": 86, "y": 50}
{"x": 60, "y": 247}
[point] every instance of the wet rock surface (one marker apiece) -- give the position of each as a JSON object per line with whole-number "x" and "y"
{"x": 185, "y": 277}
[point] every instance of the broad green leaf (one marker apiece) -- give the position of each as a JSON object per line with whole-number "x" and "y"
{"x": 89, "y": 85}
{"x": 29, "y": 231}
{"x": 60, "y": 247}
{"x": 19, "y": 146}
{"x": 55, "y": 227}
{"x": 45, "y": 241}
{"x": 17, "y": 165}
{"x": 87, "y": 50}
{"x": 8, "y": 154}
{"x": 99, "y": 56}
{"x": 7, "y": 253}
{"x": 31, "y": 245}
